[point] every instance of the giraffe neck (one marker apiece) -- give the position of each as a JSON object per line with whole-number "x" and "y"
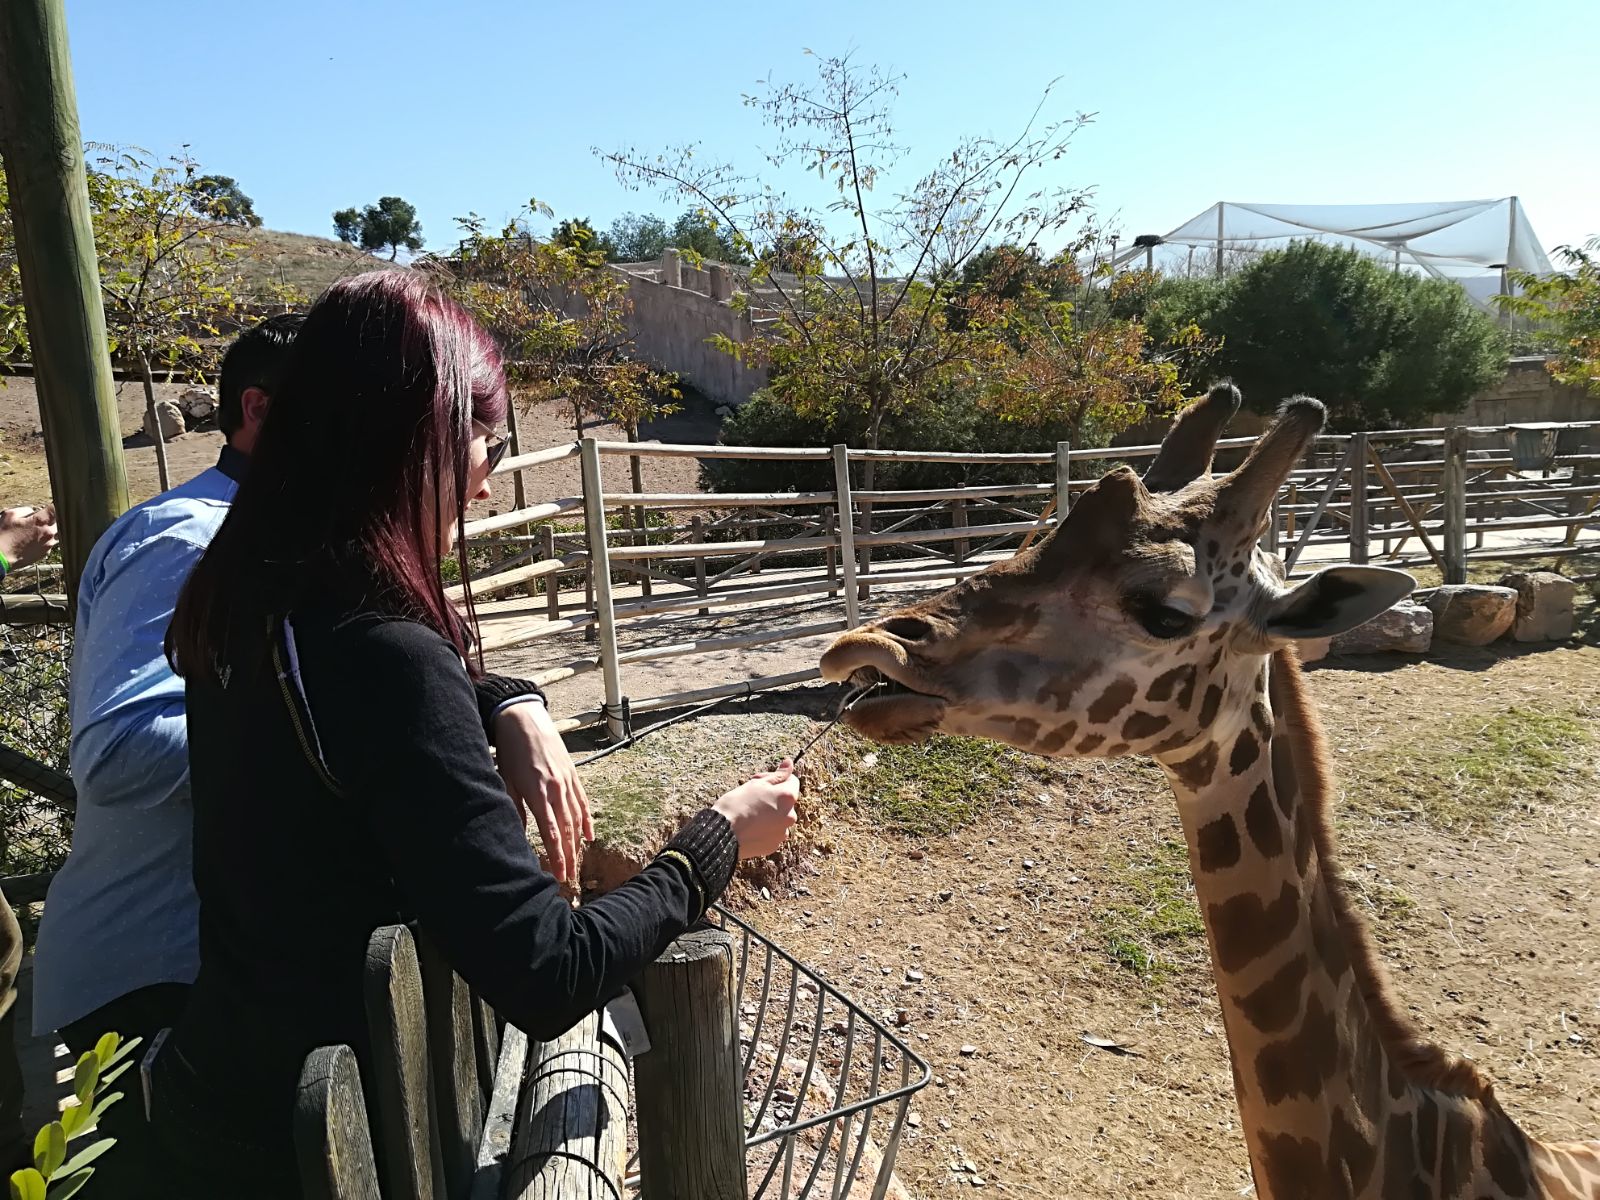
{"x": 1332, "y": 1082}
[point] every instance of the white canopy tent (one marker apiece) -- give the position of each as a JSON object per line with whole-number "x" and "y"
{"x": 1473, "y": 243}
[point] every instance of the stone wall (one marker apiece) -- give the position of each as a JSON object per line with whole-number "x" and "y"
{"x": 673, "y": 323}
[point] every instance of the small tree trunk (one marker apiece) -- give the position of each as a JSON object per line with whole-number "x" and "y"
{"x": 155, "y": 421}
{"x": 869, "y": 478}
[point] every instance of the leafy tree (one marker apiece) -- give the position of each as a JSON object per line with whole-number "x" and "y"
{"x": 170, "y": 280}
{"x": 220, "y": 198}
{"x": 637, "y": 238}
{"x": 861, "y": 326}
{"x": 1376, "y": 346}
{"x": 702, "y": 236}
{"x": 579, "y": 234}
{"x": 391, "y": 222}
{"x": 1566, "y": 311}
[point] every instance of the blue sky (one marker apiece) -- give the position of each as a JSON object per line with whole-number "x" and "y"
{"x": 476, "y": 105}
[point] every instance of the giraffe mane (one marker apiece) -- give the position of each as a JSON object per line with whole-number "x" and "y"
{"x": 1423, "y": 1062}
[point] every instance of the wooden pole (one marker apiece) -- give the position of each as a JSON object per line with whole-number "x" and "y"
{"x": 331, "y": 1138}
{"x": 1358, "y": 498}
{"x": 958, "y": 519}
{"x": 697, "y": 527}
{"x": 594, "y": 515}
{"x": 43, "y": 150}
{"x": 1455, "y": 505}
{"x": 1063, "y": 480}
{"x": 552, "y": 581}
{"x": 847, "y": 534}
{"x": 690, "y": 1083}
{"x": 570, "y": 1139}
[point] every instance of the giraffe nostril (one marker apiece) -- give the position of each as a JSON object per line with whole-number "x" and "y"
{"x": 907, "y": 629}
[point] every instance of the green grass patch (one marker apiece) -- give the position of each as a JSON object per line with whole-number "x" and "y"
{"x": 931, "y": 789}
{"x": 1150, "y": 924}
{"x": 1474, "y": 768}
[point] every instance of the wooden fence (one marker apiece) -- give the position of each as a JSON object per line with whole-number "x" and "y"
{"x": 1442, "y": 498}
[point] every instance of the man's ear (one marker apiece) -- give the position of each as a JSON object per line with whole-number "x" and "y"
{"x": 253, "y": 402}
{"x": 1336, "y": 600}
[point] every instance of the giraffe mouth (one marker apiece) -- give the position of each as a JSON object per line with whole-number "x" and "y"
{"x": 891, "y": 711}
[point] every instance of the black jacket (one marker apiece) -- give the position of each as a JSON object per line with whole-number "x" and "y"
{"x": 351, "y": 786}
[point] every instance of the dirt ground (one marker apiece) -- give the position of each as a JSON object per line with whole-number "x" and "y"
{"x": 1043, "y": 901}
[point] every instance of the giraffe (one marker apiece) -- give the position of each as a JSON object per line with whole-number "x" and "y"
{"x": 1149, "y": 622}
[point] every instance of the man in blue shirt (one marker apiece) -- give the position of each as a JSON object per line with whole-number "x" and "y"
{"x": 119, "y": 940}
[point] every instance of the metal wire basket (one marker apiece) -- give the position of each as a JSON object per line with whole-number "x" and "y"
{"x": 826, "y": 1085}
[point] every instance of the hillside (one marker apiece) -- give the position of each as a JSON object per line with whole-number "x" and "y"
{"x": 305, "y": 262}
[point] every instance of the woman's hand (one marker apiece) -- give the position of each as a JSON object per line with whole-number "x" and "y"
{"x": 540, "y": 776}
{"x": 762, "y": 811}
{"x": 27, "y": 534}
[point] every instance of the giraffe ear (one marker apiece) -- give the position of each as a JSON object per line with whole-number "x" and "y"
{"x": 1335, "y": 601}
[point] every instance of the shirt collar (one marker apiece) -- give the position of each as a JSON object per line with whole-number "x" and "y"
{"x": 234, "y": 464}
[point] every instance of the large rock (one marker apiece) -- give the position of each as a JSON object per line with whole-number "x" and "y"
{"x": 1544, "y": 606}
{"x": 1471, "y": 614}
{"x": 1406, "y": 628}
{"x": 170, "y": 418}
{"x": 197, "y": 405}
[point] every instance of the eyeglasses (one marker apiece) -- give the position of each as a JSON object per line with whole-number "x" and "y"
{"x": 496, "y": 451}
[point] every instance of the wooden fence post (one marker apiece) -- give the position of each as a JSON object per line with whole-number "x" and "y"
{"x": 571, "y": 1133}
{"x": 1455, "y": 504}
{"x": 697, "y": 528}
{"x": 830, "y": 531}
{"x": 958, "y": 518}
{"x": 1358, "y": 499}
{"x": 332, "y": 1140}
{"x": 552, "y": 581}
{"x": 60, "y": 277}
{"x": 594, "y": 518}
{"x": 847, "y": 534}
{"x": 690, "y": 1083}
{"x": 1063, "y": 480}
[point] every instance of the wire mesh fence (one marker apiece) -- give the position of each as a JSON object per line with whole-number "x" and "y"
{"x": 827, "y": 1086}
{"x": 35, "y": 795}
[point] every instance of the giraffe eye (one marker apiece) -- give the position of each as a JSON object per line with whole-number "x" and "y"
{"x": 1161, "y": 620}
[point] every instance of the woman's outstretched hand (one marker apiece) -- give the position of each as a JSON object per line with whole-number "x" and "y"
{"x": 539, "y": 774}
{"x": 762, "y": 811}
{"x": 27, "y": 534}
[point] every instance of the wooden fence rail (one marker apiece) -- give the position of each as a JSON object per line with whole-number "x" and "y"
{"x": 1442, "y": 497}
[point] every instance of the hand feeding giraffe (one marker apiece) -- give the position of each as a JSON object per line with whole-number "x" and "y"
{"x": 1149, "y": 623}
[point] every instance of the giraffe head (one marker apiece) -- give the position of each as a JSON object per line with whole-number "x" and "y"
{"x": 1139, "y": 626}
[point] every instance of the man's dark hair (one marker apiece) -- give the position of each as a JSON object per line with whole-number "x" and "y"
{"x": 256, "y": 360}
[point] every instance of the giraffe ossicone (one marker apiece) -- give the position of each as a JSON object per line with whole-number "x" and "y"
{"x": 1150, "y": 622}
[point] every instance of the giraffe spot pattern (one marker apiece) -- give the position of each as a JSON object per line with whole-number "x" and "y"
{"x": 1008, "y": 680}
{"x": 1400, "y": 1175}
{"x": 1455, "y": 1165}
{"x": 1300, "y": 1065}
{"x": 1142, "y": 725}
{"x": 1285, "y": 784}
{"x": 1209, "y": 706}
{"x": 1262, "y": 822}
{"x": 1274, "y": 1005}
{"x": 1351, "y": 1153}
{"x": 1236, "y": 570}
{"x": 1328, "y": 940}
{"x": 1427, "y": 1131}
{"x": 1244, "y": 928}
{"x": 1091, "y": 743}
{"x": 1246, "y": 749}
{"x": 1117, "y": 751}
{"x": 1290, "y": 1164}
{"x": 1025, "y": 729}
{"x": 1112, "y": 701}
{"x": 1218, "y": 844}
{"x": 1303, "y": 842}
{"x": 1262, "y": 719}
{"x": 1058, "y": 737}
{"x": 1196, "y": 771}
{"x": 1061, "y": 691}
{"x": 1505, "y": 1154}
{"x": 1163, "y": 686}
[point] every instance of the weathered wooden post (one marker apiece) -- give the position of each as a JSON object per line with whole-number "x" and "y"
{"x": 571, "y": 1131}
{"x": 330, "y": 1115}
{"x": 552, "y": 581}
{"x": 689, "y": 1087}
{"x": 43, "y": 150}
{"x": 1455, "y": 504}
{"x": 1358, "y": 498}
{"x": 1063, "y": 480}
{"x": 830, "y": 531}
{"x": 958, "y": 518}
{"x": 697, "y": 534}
{"x": 594, "y": 517}
{"x": 847, "y": 534}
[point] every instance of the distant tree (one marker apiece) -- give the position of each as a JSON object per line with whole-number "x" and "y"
{"x": 391, "y": 222}
{"x": 580, "y": 234}
{"x": 636, "y": 238}
{"x": 1376, "y": 346}
{"x": 701, "y": 235}
{"x": 1565, "y": 309}
{"x": 347, "y": 224}
{"x": 220, "y": 198}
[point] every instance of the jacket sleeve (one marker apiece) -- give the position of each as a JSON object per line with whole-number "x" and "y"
{"x": 497, "y": 692}
{"x": 402, "y": 733}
